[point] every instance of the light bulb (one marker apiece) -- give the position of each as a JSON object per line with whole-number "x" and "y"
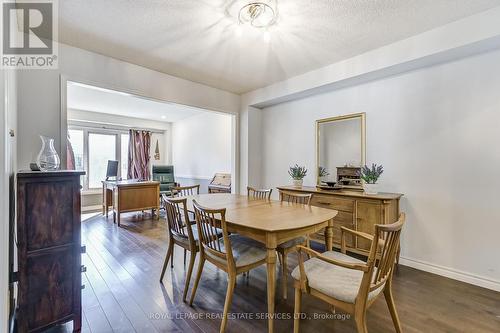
{"x": 267, "y": 36}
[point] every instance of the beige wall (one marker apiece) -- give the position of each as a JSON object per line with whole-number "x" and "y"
{"x": 435, "y": 130}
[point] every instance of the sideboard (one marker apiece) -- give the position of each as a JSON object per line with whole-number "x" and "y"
{"x": 49, "y": 249}
{"x": 356, "y": 210}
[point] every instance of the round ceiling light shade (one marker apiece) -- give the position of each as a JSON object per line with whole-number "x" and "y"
{"x": 257, "y": 13}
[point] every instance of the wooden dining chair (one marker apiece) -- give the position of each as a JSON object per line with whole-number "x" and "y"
{"x": 233, "y": 253}
{"x": 181, "y": 232}
{"x": 347, "y": 283}
{"x": 300, "y": 198}
{"x": 259, "y": 194}
{"x": 291, "y": 246}
{"x": 184, "y": 191}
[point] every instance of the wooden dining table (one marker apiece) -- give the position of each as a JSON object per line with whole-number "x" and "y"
{"x": 270, "y": 223}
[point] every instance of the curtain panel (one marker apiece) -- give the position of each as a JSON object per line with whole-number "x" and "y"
{"x": 138, "y": 155}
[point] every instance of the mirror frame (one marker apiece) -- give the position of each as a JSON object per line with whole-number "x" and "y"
{"x": 362, "y": 117}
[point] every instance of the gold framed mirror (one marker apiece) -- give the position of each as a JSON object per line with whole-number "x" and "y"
{"x": 340, "y": 151}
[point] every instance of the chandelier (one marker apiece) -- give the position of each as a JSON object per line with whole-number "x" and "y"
{"x": 258, "y": 14}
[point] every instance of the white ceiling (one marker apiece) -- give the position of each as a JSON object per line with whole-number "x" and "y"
{"x": 194, "y": 39}
{"x": 89, "y": 98}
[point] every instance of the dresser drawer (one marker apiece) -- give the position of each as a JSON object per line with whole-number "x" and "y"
{"x": 343, "y": 219}
{"x": 328, "y": 201}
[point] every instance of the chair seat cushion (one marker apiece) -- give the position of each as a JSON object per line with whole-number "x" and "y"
{"x": 245, "y": 250}
{"x": 332, "y": 280}
{"x": 292, "y": 242}
{"x": 196, "y": 235}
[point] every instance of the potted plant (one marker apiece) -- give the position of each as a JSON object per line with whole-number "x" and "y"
{"x": 297, "y": 173}
{"x": 322, "y": 173}
{"x": 370, "y": 177}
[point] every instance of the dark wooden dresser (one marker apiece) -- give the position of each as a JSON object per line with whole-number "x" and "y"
{"x": 49, "y": 249}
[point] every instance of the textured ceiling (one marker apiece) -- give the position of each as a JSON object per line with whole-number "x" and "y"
{"x": 195, "y": 40}
{"x": 89, "y": 98}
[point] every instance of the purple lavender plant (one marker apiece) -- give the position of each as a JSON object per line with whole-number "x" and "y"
{"x": 371, "y": 175}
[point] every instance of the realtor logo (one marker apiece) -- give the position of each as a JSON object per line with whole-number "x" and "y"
{"x": 29, "y": 32}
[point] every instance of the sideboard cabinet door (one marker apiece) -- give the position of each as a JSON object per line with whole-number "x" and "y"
{"x": 49, "y": 249}
{"x": 369, "y": 213}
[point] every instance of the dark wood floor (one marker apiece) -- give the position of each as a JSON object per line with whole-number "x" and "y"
{"x": 123, "y": 294}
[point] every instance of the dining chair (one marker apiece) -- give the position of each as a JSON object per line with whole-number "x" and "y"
{"x": 184, "y": 191}
{"x": 234, "y": 254}
{"x": 181, "y": 232}
{"x": 291, "y": 245}
{"x": 259, "y": 194}
{"x": 349, "y": 283}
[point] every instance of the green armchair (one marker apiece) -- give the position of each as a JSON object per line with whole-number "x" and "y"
{"x": 165, "y": 175}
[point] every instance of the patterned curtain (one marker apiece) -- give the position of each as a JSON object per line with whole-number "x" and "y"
{"x": 70, "y": 156}
{"x": 138, "y": 154}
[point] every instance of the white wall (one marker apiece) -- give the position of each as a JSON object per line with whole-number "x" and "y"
{"x": 40, "y": 95}
{"x": 201, "y": 145}
{"x": 436, "y": 132}
{"x": 8, "y": 121}
{"x": 250, "y": 148}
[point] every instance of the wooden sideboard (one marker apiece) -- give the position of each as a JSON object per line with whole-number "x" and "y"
{"x": 356, "y": 210}
{"x": 49, "y": 250}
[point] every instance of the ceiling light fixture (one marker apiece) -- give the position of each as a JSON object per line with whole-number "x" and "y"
{"x": 259, "y": 14}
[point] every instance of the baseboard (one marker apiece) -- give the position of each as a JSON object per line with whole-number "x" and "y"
{"x": 90, "y": 209}
{"x": 451, "y": 273}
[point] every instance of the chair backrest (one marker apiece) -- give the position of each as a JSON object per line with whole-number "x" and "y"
{"x": 209, "y": 222}
{"x": 259, "y": 194}
{"x": 177, "y": 217}
{"x": 184, "y": 191}
{"x": 385, "y": 247}
{"x": 298, "y": 198}
{"x": 163, "y": 174}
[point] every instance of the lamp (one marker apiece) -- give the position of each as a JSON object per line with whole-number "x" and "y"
{"x": 259, "y": 14}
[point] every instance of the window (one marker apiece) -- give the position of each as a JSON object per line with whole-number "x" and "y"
{"x": 124, "y": 155}
{"x": 93, "y": 148}
{"x": 76, "y": 139}
{"x": 102, "y": 147}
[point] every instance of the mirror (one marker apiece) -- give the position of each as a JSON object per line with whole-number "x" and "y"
{"x": 340, "y": 151}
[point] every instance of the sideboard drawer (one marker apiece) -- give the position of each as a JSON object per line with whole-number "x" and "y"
{"x": 329, "y": 201}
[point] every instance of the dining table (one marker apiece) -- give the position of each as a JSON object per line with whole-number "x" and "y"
{"x": 271, "y": 223}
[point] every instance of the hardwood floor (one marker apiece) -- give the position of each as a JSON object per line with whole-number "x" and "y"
{"x": 122, "y": 293}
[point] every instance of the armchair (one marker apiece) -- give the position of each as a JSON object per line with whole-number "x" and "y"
{"x": 165, "y": 175}
{"x": 347, "y": 283}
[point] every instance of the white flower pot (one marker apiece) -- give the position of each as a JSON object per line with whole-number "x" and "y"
{"x": 370, "y": 188}
{"x": 298, "y": 182}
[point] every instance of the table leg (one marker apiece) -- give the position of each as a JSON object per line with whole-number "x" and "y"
{"x": 271, "y": 286}
{"x": 118, "y": 217}
{"x": 329, "y": 236}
